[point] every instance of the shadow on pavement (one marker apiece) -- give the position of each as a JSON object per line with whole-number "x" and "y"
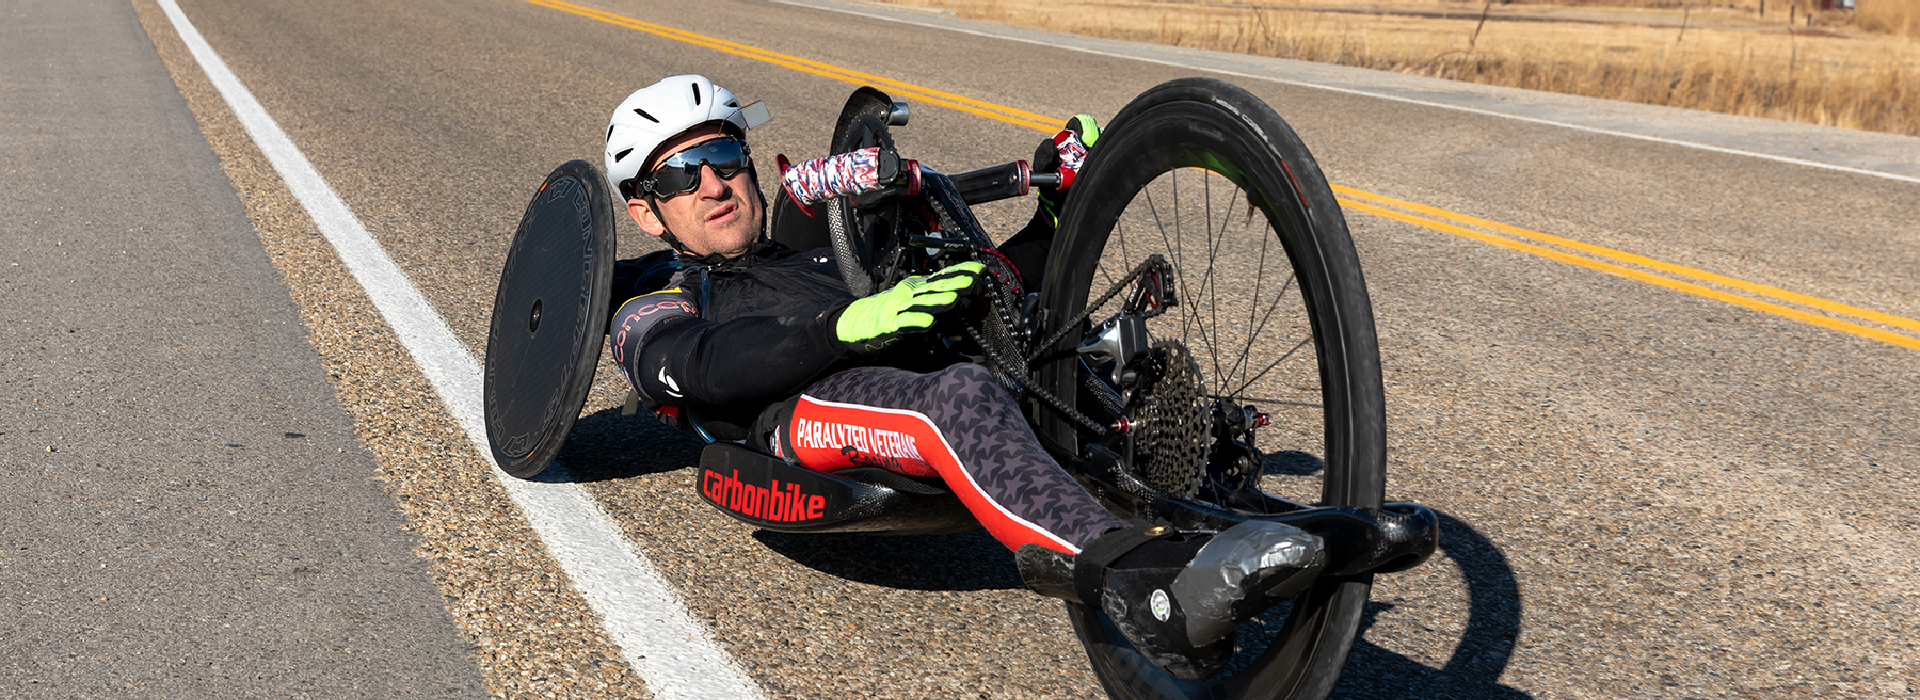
{"x": 970, "y": 561}
{"x": 1493, "y": 627}
{"x": 1292, "y": 463}
{"x": 605, "y": 446}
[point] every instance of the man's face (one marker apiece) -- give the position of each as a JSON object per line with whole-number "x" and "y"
{"x": 720, "y": 216}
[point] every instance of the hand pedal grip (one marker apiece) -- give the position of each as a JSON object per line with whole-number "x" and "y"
{"x": 847, "y": 174}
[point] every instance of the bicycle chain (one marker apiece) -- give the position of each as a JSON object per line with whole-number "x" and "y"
{"x": 1005, "y": 357}
{"x": 1002, "y": 336}
{"x": 1086, "y": 313}
{"x": 1174, "y": 428}
{"x": 999, "y": 342}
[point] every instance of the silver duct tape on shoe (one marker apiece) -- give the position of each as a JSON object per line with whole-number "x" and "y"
{"x": 1240, "y": 571}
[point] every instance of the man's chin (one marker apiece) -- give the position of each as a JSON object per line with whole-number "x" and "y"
{"x": 743, "y": 242}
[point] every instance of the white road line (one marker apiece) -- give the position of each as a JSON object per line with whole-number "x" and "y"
{"x": 1368, "y": 93}
{"x": 675, "y": 656}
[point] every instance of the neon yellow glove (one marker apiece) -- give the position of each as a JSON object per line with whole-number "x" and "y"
{"x": 871, "y": 324}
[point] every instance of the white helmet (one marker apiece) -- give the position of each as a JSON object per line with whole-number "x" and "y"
{"x": 653, "y": 114}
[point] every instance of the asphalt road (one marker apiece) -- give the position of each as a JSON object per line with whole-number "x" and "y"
{"x": 187, "y": 512}
{"x": 1648, "y": 492}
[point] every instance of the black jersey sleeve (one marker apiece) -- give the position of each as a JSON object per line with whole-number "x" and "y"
{"x": 672, "y": 357}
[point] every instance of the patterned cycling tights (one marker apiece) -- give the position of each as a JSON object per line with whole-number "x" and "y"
{"x": 958, "y": 424}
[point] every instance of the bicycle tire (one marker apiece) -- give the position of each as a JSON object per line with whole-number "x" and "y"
{"x": 1232, "y": 137}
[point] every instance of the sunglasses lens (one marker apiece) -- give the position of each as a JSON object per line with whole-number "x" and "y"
{"x": 668, "y": 182}
{"x": 680, "y": 173}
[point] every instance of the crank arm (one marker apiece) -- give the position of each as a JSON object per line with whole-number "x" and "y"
{"x": 1396, "y": 537}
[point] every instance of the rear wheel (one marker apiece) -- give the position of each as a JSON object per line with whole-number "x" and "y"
{"x": 1275, "y": 314}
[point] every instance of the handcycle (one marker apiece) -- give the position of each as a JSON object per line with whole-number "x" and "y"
{"x": 1198, "y": 352}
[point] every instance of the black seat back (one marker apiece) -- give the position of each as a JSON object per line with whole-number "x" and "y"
{"x": 792, "y": 228}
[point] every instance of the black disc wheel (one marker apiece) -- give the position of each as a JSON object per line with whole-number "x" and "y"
{"x": 549, "y": 319}
{"x": 1272, "y": 307}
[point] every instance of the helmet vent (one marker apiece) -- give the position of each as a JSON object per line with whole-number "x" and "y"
{"x": 696, "y": 92}
{"x": 609, "y": 132}
{"x": 622, "y": 154}
{"x": 642, "y": 113}
{"x": 733, "y": 104}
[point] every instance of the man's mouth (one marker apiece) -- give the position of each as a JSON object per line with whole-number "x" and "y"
{"x": 725, "y": 210}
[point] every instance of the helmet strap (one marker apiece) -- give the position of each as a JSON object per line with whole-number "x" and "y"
{"x": 666, "y": 234}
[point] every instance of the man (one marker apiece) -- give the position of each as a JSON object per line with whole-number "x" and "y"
{"x": 740, "y": 338}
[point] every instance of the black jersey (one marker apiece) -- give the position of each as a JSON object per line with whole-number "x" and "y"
{"x": 721, "y": 340}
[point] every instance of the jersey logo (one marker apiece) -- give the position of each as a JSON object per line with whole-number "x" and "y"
{"x": 673, "y": 388}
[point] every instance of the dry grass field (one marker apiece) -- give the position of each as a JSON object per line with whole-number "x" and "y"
{"x": 1765, "y": 58}
{"x": 1898, "y": 17}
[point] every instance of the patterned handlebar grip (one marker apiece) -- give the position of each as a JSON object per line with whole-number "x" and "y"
{"x": 813, "y": 181}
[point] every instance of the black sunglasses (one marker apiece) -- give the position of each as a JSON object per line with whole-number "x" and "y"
{"x": 680, "y": 172}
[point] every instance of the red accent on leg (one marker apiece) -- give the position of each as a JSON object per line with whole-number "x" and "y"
{"x": 828, "y": 437}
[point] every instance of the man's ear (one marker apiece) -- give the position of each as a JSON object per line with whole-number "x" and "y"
{"x": 645, "y": 217}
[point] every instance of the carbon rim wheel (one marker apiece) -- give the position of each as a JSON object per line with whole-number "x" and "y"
{"x": 1273, "y": 307}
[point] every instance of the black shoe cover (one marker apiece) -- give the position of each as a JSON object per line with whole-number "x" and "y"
{"x": 1182, "y": 618}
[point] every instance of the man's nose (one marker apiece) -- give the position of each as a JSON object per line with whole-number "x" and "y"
{"x": 712, "y": 186}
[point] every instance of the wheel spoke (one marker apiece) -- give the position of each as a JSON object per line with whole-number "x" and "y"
{"x": 1192, "y": 319}
{"x": 1258, "y": 278}
{"x": 1102, "y": 269}
{"x": 1214, "y": 307}
{"x": 1276, "y": 362}
{"x": 1179, "y": 254}
{"x": 1176, "y": 248}
{"x": 1210, "y": 283}
{"x": 1275, "y": 306}
{"x": 1200, "y": 325}
{"x": 1261, "y": 402}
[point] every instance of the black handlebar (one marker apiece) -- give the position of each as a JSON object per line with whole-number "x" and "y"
{"x": 994, "y": 183}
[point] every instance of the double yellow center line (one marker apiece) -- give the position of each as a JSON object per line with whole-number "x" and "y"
{"x": 895, "y": 87}
{"x": 1752, "y": 295}
{"x": 1739, "y": 292}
